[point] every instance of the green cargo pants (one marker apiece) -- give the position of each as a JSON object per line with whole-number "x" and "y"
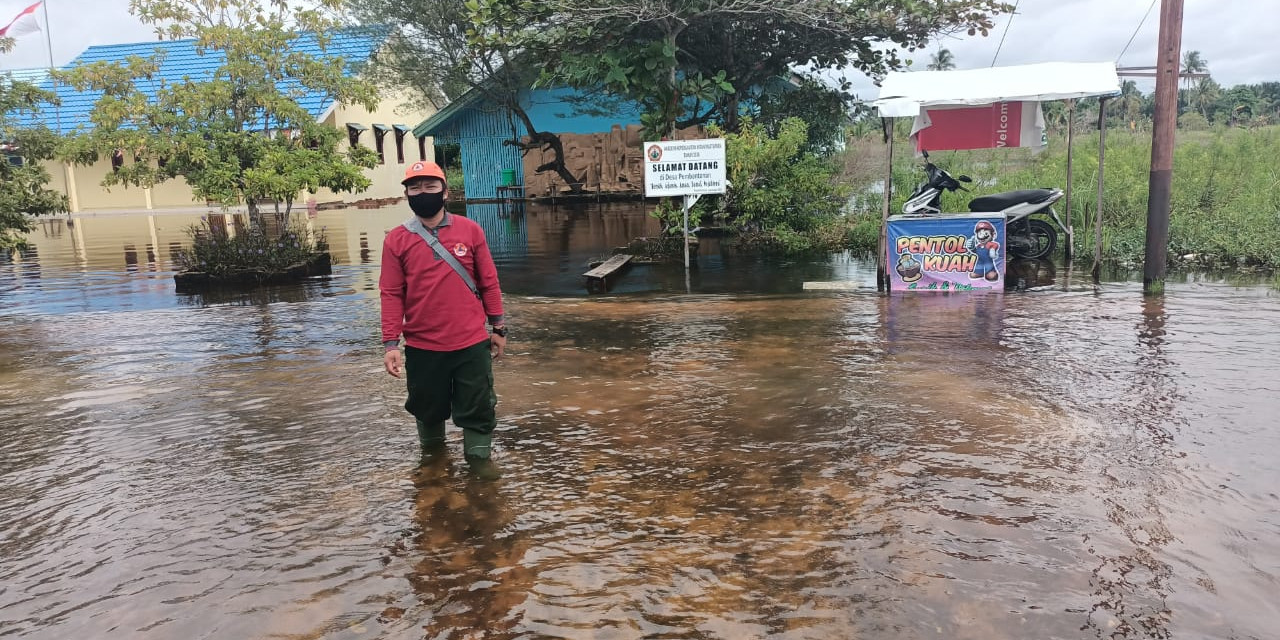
{"x": 453, "y": 383}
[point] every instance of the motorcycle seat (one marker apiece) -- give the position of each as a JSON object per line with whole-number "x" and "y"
{"x": 1002, "y": 201}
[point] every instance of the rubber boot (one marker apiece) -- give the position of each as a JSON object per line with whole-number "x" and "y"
{"x": 476, "y": 448}
{"x": 431, "y": 437}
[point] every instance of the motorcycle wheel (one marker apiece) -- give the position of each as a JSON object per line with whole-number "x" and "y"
{"x": 1042, "y": 239}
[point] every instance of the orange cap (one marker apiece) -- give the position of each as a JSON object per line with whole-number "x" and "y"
{"x": 424, "y": 170}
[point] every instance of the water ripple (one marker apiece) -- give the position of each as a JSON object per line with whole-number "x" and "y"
{"x": 1058, "y": 464}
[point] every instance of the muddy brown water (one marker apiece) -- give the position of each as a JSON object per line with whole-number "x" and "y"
{"x": 737, "y": 458}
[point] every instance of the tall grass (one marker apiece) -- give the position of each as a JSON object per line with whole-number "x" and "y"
{"x": 1225, "y": 199}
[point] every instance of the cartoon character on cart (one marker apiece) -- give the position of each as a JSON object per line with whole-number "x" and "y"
{"x": 983, "y": 244}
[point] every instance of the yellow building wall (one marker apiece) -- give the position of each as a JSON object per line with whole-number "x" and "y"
{"x": 89, "y": 195}
{"x": 394, "y": 109}
{"x": 174, "y": 193}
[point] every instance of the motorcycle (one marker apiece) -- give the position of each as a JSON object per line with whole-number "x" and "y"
{"x": 1025, "y": 237}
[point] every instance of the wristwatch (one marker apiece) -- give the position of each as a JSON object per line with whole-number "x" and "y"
{"x": 500, "y": 331}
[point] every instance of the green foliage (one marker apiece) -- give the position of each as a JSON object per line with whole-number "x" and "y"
{"x": 22, "y": 178}
{"x": 863, "y": 234}
{"x": 942, "y": 60}
{"x": 1225, "y": 204}
{"x": 495, "y": 49}
{"x": 218, "y": 253}
{"x": 1193, "y": 121}
{"x": 240, "y": 136}
{"x": 647, "y": 73}
{"x": 823, "y": 108}
{"x": 444, "y": 48}
{"x": 455, "y": 179}
{"x": 779, "y": 193}
{"x": 670, "y": 212}
{"x": 674, "y": 56}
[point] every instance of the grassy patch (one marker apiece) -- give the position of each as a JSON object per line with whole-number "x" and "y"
{"x": 1225, "y": 209}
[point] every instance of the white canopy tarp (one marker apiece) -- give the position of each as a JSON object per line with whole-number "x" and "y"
{"x": 905, "y": 94}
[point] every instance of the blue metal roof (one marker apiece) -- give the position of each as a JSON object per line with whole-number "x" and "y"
{"x": 33, "y": 76}
{"x": 182, "y": 61}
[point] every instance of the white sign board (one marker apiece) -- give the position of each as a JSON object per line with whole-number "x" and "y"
{"x": 684, "y": 167}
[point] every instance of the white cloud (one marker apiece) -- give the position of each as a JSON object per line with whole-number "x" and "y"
{"x": 1238, "y": 38}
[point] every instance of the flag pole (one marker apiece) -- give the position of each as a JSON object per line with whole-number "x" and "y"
{"x": 48, "y": 40}
{"x": 67, "y": 176}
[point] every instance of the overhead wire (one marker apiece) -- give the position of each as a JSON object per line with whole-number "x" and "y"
{"x": 1135, "y": 31}
{"x": 1006, "y": 32}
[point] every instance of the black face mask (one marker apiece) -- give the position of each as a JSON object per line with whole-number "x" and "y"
{"x": 425, "y": 205}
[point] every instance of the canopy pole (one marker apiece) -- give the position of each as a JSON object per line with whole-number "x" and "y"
{"x": 882, "y": 277}
{"x": 1102, "y": 161}
{"x": 1071, "y": 231}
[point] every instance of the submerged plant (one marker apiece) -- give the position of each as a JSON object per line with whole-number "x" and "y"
{"x": 219, "y": 252}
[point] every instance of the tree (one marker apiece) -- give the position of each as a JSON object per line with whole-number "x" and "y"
{"x": 239, "y": 136}
{"x": 1205, "y": 96}
{"x": 1129, "y": 104}
{"x": 1241, "y": 104}
{"x": 673, "y": 56}
{"x": 1203, "y": 92}
{"x": 22, "y": 178}
{"x": 776, "y": 186}
{"x": 445, "y": 48}
{"x": 1269, "y": 101}
{"x": 943, "y": 60}
{"x": 1192, "y": 62}
{"x": 824, "y": 109}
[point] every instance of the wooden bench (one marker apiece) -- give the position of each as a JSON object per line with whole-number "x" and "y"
{"x": 597, "y": 276}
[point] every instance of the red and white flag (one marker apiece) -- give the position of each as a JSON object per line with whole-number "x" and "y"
{"x": 22, "y": 24}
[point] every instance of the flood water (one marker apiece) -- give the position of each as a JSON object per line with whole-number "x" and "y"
{"x": 722, "y": 456}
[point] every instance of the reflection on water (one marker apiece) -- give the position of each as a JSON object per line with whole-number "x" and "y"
{"x": 542, "y": 251}
{"x": 1069, "y": 461}
{"x": 1023, "y": 274}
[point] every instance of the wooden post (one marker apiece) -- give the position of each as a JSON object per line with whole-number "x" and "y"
{"x": 1102, "y": 161}
{"x": 882, "y": 275}
{"x": 1162, "y": 137}
{"x": 1071, "y": 232}
{"x": 688, "y": 202}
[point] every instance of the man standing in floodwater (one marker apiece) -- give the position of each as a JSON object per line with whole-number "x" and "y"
{"x": 439, "y": 287}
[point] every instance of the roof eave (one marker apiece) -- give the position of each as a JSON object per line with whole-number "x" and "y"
{"x": 442, "y": 117}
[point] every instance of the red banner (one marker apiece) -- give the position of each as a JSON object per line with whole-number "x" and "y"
{"x": 1002, "y": 124}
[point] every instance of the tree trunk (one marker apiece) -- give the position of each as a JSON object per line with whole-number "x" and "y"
{"x": 732, "y": 122}
{"x": 255, "y": 214}
{"x": 673, "y": 109}
{"x": 731, "y": 118}
{"x": 542, "y": 138}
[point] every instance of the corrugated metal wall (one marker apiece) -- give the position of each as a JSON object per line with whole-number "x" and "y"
{"x": 484, "y": 157}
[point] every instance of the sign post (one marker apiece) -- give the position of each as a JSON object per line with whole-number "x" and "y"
{"x": 689, "y": 168}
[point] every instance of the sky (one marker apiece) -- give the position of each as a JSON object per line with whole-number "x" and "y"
{"x": 1240, "y": 39}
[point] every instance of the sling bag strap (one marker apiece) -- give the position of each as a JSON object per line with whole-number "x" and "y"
{"x": 415, "y": 226}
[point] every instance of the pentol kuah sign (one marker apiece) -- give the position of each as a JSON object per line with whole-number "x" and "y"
{"x": 992, "y": 126}
{"x": 684, "y": 167}
{"x": 963, "y": 252}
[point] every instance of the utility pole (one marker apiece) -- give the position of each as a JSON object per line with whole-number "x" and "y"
{"x": 1162, "y": 137}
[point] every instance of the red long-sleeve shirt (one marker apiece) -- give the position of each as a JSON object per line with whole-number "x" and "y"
{"x": 424, "y": 299}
